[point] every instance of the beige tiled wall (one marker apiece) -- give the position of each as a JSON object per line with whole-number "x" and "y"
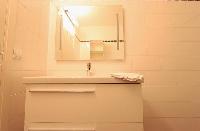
{"x": 162, "y": 43}
{"x": 3, "y": 5}
{"x": 27, "y": 33}
{"x": 171, "y": 89}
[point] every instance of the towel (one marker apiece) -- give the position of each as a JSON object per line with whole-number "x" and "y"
{"x": 128, "y": 76}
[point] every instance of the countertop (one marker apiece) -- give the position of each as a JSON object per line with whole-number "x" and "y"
{"x": 77, "y": 79}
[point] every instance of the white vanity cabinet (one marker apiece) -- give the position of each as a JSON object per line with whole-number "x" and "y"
{"x": 100, "y": 106}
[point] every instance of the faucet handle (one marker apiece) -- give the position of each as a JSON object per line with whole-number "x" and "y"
{"x": 89, "y": 66}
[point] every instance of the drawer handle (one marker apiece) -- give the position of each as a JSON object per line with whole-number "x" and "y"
{"x": 64, "y": 90}
{"x": 61, "y": 129}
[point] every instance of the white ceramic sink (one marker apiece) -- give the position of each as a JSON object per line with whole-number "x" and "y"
{"x": 75, "y": 79}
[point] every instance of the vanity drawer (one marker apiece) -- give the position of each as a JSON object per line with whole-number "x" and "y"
{"x": 86, "y": 127}
{"x": 84, "y": 103}
{"x": 61, "y": 103}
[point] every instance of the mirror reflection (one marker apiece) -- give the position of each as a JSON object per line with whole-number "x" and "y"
{"x": 89, "y": 33}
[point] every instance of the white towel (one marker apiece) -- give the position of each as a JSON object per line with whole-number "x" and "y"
{"x": 129, "y": 76}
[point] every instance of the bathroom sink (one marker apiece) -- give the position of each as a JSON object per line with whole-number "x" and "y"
{"x": 74, "y": 79}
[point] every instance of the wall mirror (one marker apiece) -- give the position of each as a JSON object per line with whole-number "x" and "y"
{"x": 89, "y": 33}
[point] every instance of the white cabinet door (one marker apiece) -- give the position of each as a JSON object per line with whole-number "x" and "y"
{"x": 120, "y": 127}
{"x": 119, "y": 103}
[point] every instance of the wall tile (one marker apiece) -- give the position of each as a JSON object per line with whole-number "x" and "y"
{"x": 146, "y": 63}
{"x": 171, "y": 124}
{"x": 169, "y": 109}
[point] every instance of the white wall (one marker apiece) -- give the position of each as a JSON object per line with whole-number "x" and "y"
{"x": 3, "y": 5}
{"x": 163, "y": 44}
{"x": 27, "y": 33}
{"x": 171, "y": 66}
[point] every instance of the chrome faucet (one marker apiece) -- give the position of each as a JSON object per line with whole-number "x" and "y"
{"x": 89, "y": 66}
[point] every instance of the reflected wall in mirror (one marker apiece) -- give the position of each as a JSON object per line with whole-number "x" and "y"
{"x": 89, "y": 33}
